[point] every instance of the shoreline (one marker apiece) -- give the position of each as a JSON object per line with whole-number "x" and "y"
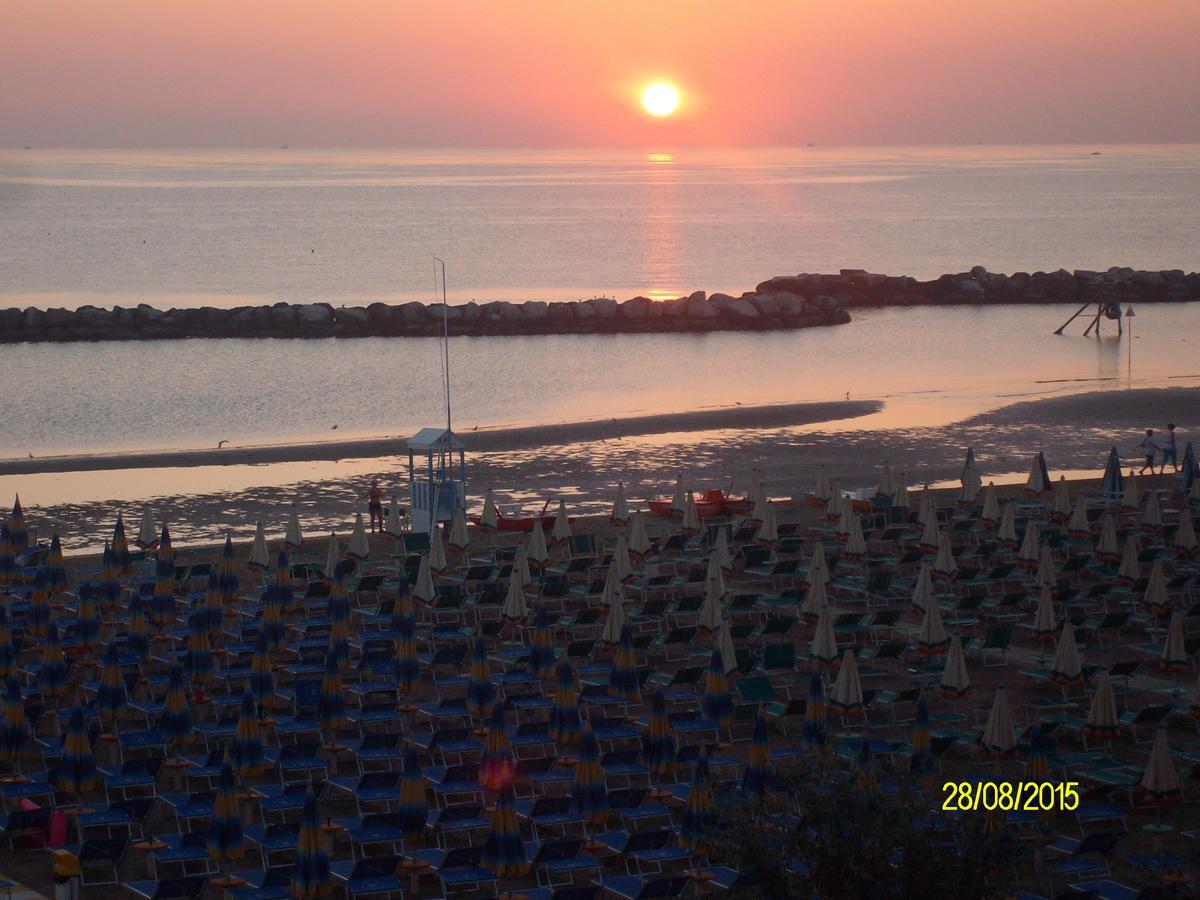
{"x": 499, "y": 440}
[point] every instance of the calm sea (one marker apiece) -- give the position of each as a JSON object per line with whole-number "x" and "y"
{"x": 184, "y": 228}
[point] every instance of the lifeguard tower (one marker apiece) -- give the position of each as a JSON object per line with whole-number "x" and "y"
{"x": 436, "y": 485}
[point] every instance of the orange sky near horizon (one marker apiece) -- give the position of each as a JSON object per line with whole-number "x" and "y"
{"x": 553, "y": 73}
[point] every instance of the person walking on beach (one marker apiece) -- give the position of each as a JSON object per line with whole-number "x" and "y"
{"x": 375, "y": 505}
{"x": 1149, "y": 447}
{"x": 1168, "y": 450}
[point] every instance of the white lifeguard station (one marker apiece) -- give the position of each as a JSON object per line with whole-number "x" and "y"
{"x": 437, "y": 483}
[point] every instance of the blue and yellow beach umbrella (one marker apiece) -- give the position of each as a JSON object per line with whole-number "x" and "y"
{"x": 623, "y": 679}
{"x": 541, "y": 652}
{"x": 120, "y": 547}
{"x": 407, "y": 668}
{"x": 211, "y": 609}
{"x": 331, "y": 704}
{"x": 162, "y": 605}
{"x": 658, "y": 747}
{"x": 759, "y": 778}
{"x": 8, "y": 562}
{"x": 111, "y": 696}
{"x": 564, "y": 723}
{"x": 589, "y": 796}
{"x": 87, "y": 619}
{"x": 262, "y": 678}
{"x": 246, "y": 751}
{"x": 1037, "y": 767}
{"x": 175, "y": 724}
{"x": 815, "y": 726}
{"x": 226, "y": 840}
{"x": 696, "y": 825}
{"x": 717, "y": 703}
{"x": 16, "y": 527}
{"x": 311, "y": 876}
{"x": 56, "y": 565}
{"x": 282, "y": 591}
{"x": 481, "y": 694}
{"x": 52, "y": 674}
{"x": 110, "y": 580}
{"x": 198, "y": 659}
{"x": 138, "y": 639}
{"x": 39, "y": 603}
{"x": 77, "y": 768}
{"x": 497, "y": 769}
{"x": 14, "y": 736}
{"x": 8, "y": 649}
{"x": 413, "y": 806}
{"x": 227, "y": 580}
{"x": 504, "y": 852}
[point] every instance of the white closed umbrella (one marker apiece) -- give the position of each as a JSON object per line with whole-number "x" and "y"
{"x": 359, "y": 547}
{"x": 1046, "y": 576}
{"x": 760, "y": 502}
{"x": 520, "y": 567}
{"x": 815, "y": 599}
{"x": 1078, "y": 526}
{"x": 847, "y": 688}
{"x": 972, "y": 481}
{"x": 1107, "y": 549}
{"x": 944, "y": 564}
{"x": 333, "y": 557}
{"x": 460, "y": 538}
{"x": 922, "y": 593}
{"x": 537, "y": 553}
{"x": 489, "y": 518}
{"x": 711, "y": 613}
{"x": 515, "y": 609}
{"x": 818, "y": 566}
{"x": 721, "y": 550}
{"x": 1152, "y": 519}
{"x": 260, "y": 558}
{"x": 955, "y": 682}
{"x": 562, "y": 525}
{"x": 1067, "y": 667}
{"x": 821, "y": 491}
{"x": 639, "y": 540}
{"x": 843, "y": 525}
{"x": 1006, "y": 536}
{"x": 1174, "y": 657}
{"x": 715, "y": 574}
{"x": 856, "y": 541}
{"x": 621, "y": 561}
{"x": 1061, "y": 507}
{"x": 1160, "y": 781}
{"x": 932, "y": 637}
{"x": 1184, "y": 542}
{"x": 998, "y": 737}
{"x": 147, "y": 535}
{"x": 1045, "y": 623}
{"x": 990, "y": 515}
{"x": 887, "y": 481}
{"x": 823, "y": 650}
{"x": 900, "y": 501}
{"x": 613, "y": 598}
{"x": 1130, "y": 570}
{"x": 1031, "y": 546}
{"x": 1131, "y": 495}
{"x": 926, "y": 506}
{"x": 1102, "y": 719}
{"x": 1038, "y": 481}
{"x": 691, "y": 516}
{"x": 931, "y": 537}
{"x": 292, "y": 538}
{"x": 724, "y": 642}
{"x": 758, "y": 492}
{"x": 678, "y": 500}
{"x": 833, "y": 506}
{"x": 1155, "y": 600}
{"x": 437, "y": 551}
{"x": 423, "y": 589}
{"x": 768, "y": 531}
{"x": 620, "y": 510}
{"x": 394, "y": 528}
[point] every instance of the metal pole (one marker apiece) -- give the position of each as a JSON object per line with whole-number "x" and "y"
{"x": 446, "y": 361}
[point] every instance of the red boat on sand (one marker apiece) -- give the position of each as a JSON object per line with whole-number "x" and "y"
{"x": 524, "y": 523}
{"x": 711, "y": 503}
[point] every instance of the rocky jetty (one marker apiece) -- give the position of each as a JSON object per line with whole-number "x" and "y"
{"x": 785, "y": 301}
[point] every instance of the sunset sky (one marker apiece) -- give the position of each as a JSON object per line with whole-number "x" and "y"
{"x": 530, "y": 73}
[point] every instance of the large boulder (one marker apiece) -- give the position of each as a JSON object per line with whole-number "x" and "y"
{"x": 604, "y": 307}
{"x": 314, "y": 319}
{"x": 535, "y": 312}
{"x": 699, "y": 309}
{"x": 635, "y": 310}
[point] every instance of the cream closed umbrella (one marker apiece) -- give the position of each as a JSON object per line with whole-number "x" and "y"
{"x": 1060, "y": 508}
{"x": 972, "y": 481}
{"x": 1045, "y": 623}
{"x": 691, "y": 517}
{"x": 515, "y": 608}
{"x": 679, "y": 499}
{"x": 1078, "y": 526}
{"x": 639, "y": 540}
{"x": 1006, "y": 535}
{"x": 393, "y": 528}
{"x": 856, "y": 542}
{"x": 359, "y": 547}
{"x": 1156, "y": 601}
{"x": 260, "y": 557}
{"x": 932, "y": 637}
{"x": 1107, "y": 549}
{"x": 922, "y": 593}
{"x": 613, "y": 598}
{"x": 715, "y": 574}
{"x": 521, "y": 566}
{"x": 818, "y": 566}
{"x": 833, "y": 506}
{"x": 821, "y": 491}
{"x": 926, "y": 506}
{"x": 758, "y": 492}
{"x": 768, "y": 531}
{"x": 538, "y": 554}
{"x": 955, "y": 682}
{"x": 460, "y": 538}
{"x": 1067, "y": 668}
{"x": 1152, "y": 520}
{"x": 437, "y": 551}
{"x": 1131, "y": 569}
{"x": 489, "y": 518}
{"x": 931, "y": 536}
{"x": 562, "y": 525}
{"x": 333, "y": 557}
{"x": 1102, "y": 719}
{"x": 1030, "y": 553}
{"x": 900, "y": 501}
{"x": 758, "y": 510}
{"x": 1160, "y": 782}
{"x": 1131, "y": 495}
{"x": 1184, "y": 543}
{"x": 945, "y": 567}
{"x": 721, "y": 551}
{"x": 823, "y": 650}
{"x": 887, "y": 481}
{"x": 147, "y": 535}
{"x": 620, "y": 510}
{"x": 990, "y": 515}
{"x": 621, "y": 561}
{"x": 998, "y": 737}
{"x": 847, "y": 694}
{"x": 1038, "y": 481}
{"x": 292, "y": 538}
{"x": 843, "y": 525}
{"x": 1046, "y": 576}
{"x": 815, "y": 600}
{"x": 1174, "y": 657}
{"x": 423, "y": 589}
{"x": 724, "y": 642}
{"x": 711, "y": 613}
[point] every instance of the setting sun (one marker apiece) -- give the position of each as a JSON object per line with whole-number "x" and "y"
{"x": 660, "y": 99}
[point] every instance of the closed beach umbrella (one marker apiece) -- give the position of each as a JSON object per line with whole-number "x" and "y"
{"x": 56, "y": 566}
{"x": 138, "y": 639}
{"x": 120, "y": 546}
{"x": 1078, "y": 526}
{"x": 537, "y": 552}
{"x": 521, "y": 566}
{"x": 815, "y": 728}
{"x": 1060, "y": 509}
{"x": 481, "y": 694}
{"x": 1130, "y": 570}
{"x": 562, "y": 525}
{"x": 972, "y": 481}
{"x": 1194, "y": 706}
{"x": 620, "y": 560}
{"x": 816, "y": 600}
{"x": 15, "y": 734}
{"x": 515, "y": 608}
{"x": 407, "y": 667}
{"x": 932, "y": 638}
{"x": 1102, "y": 721}
{"x": 227, "y": 580}
{"x": 639, "y": 540}
{"x": 1160, "y": 783}
{"x": 359, "y": 547}
{"x": 311, "y": 876}
{"x": 1006, "y": 535}
{"x": 833, "y": 506}
{"x": 175, "y": 724}
{"x": 900, "y": 501}
{"x": 198, "y": 659}
{"x": 989, "y": 516}
{"x": 1038, "y": 481}
{"x": 721, "y": 552}
{"x": 504, "y": 851}
{"x": 393, "y": 529}
{"x": 768, "y": 531}
{"x": 77, "y": 767}
{"x": 212, "y": 610}
{"x": 589, "y": 796}
{"x": 1046, "y": 576}
{"x": 246, "y": 751}
{"x": 1184, "y": 543}
{"x": 496, "y": 767}
{"x": 292, "y": 538}
{"x": 1067, "y": 668}
{"x": 262, "y": 678}
{"x": 1045, "y": 623}
{"x": 623, "y": 678}
{"x": 1174, "y": 657}
{"x": 922, "y": 592}
{"x": 926, "y": 506}
{"x": 1107, "y": 549}
{"x": 847, "y": 688}
{"x": 699, "y": 817}
{"x": 331, "y": 703}
{"x": 1155, "y": 601}
{"x": 52, "y": 674}
{"x": 564, "y": 723}
{"x": 147, "y": 536}
{"x": 679, "y": 498}
{"x": 723, "y": 641}
{"x": 613, "y": 598}
{"x": 541, "y": 652}
{"x": 998, "y": 738}
{"x": 39, "y": 603}
{"x": 162, "y": 606}
{"x": 333, "y": 557}
{"x": 260, "y": 557}
{"x": 8, "y": 650}
{"x": 270, "y": 626}
{"x": 437, "y": 552}
{"x": 922, "y": 743}
{"x": 717, "y": 703}
{"x": 423, "y": 588}
{"x": 1187, "y": 469}
{"x": 945, "y": 567}
{"x": 8, "y": 562}
{"x": 87, "y": 619}
{"x": 620, "y": 507}
{"x": 821, "y": 490}
{"x": 489, "y": 517}
{"x": 1152, "y": 520}
{"x": 1031, "y": 548}
{"x": 460, "y": 538}
{"x": 931, "y": 536}
{"x": 711, "y": 614}
{"x": 823, "y": 651}
{"x": 1037, "y": 768}
{"x": 856, "y": 543}
{"x": 1114, "y": 481}
{"x": 1131, "y": 494}
{"x": 283, "y": 591}
{"x": 110, "y": 580}
{"x": 818, "y": 566}
{"x": 339, "y": 600}
{"x": 226, "y": 841}
{"x": 658, "y": 747}
{"x": 955, "y": 682}
{"x": 339, "y": 643}
{"x": 690, "y": 525}
{"x": 887, "y": 481}
{"x": 758, "y": 779}
{"x": 413, "y": 807}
